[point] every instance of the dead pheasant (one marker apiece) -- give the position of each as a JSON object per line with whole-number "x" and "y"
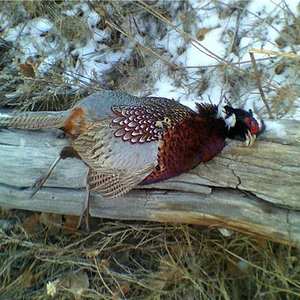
{"x": 127, "y": 140}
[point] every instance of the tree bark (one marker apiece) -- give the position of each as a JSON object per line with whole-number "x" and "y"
{"x": 253, "y": 190}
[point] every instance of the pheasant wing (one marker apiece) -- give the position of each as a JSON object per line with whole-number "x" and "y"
{"x": 147, "y": 121}
{"x": 116, "y": 166}
{"x": 115, "y": 183}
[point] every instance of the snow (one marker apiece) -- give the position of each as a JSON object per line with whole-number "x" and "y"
{"x": 38, "y": 26}
{"x": 95, "y": 57}
{"x": 276, "y": 128}
{"x": 93, "y": 18}
{"x": 3, "y": 115}
{"x": 4, "y": 21}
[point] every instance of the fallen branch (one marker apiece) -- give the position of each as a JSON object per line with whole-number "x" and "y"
{"x": 254, "y": 190}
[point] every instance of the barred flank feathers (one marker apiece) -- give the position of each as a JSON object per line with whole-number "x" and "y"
{"x": 33, "y": 120}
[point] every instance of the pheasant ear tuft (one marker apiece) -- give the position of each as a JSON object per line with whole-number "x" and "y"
{"x": 226, "y": 113}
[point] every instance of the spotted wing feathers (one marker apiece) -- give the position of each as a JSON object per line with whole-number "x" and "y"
{"x": 147, "y": 121}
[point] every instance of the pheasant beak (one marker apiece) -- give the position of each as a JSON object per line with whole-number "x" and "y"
{"x": 254, "y": 130}
{"x": 250, "y": 139}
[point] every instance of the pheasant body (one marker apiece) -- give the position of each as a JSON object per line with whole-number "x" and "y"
{"x": 184, "y": 146}
{"x": 127, "y": 140}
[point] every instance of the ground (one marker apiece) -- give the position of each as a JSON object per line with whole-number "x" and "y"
{"x": 53, "y": 53}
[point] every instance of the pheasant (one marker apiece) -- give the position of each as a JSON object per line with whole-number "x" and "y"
{"x": 127, "y": 140}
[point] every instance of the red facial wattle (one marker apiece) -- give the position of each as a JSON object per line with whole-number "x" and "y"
{"x": 252, "y": 125}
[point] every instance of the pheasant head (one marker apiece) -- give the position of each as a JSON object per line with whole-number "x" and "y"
{"x": 241, "y": 124}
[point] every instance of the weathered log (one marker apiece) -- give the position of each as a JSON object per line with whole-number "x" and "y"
{"x": 254, "y": 190}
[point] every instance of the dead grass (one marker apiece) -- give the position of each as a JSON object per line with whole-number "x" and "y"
{"x": 140, "y": 260}
{"x": 138, "y": 26}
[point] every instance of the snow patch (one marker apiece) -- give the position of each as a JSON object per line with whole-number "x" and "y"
{"x": 197, "y": 59}
{"x": 3, "y": 115}
{"x": 275, "y": 128}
